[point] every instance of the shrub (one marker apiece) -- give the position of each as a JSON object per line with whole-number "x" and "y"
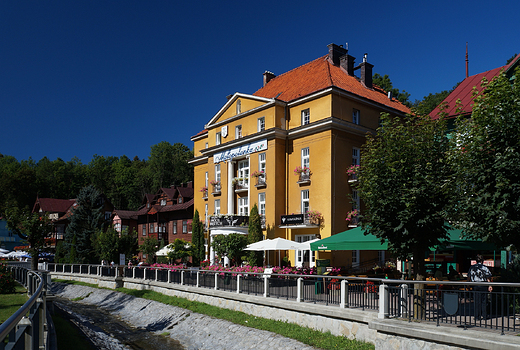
{"x": 7, "y": 282}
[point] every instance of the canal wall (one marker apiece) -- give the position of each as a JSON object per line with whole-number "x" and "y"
{"x": 351, "y": 323}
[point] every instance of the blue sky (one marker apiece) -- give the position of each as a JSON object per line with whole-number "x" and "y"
{"x": 113, "y": 78}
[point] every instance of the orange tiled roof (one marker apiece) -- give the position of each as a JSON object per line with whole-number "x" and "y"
{"x": 318, "y": 75}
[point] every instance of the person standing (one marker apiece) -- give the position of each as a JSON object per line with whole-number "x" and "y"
{"x": 480, "y": 273}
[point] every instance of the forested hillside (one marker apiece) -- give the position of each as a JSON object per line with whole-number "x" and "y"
{"x": 123, "y": 180}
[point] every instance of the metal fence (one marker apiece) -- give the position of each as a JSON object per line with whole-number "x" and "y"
{"x": 27, "y": 327}
{"x": 463, "y": 304}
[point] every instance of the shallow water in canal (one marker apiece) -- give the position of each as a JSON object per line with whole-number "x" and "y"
{"x": 109, "y": 332}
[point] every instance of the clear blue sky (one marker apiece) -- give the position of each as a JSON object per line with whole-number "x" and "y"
{"x": 113, "y": 78}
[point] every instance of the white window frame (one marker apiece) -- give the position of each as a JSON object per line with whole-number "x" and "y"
{"x": 217, "y": 206}
{"x": 306, "y": 156}
{"x": 243, "y": 206}
{"x": 355, "y": 258}
{"x": 243, "y": 171}
{"x": 261, "y": 124}
{"x": 174, "y": 227}
{"x": 144, "y": 229}
{"x": 356, "y": 116}
{"x": 184, "y": 226}
{"x": 261, "y": 203}
{"x": 217, "y": 172}
{"x": 262, "y": 162}
{"x": 163, "y": 202}
{"x": 206, "y": 178}
{"x": 239, "y": 106}
{"x": 206, "y": 214}
{"x": 218, "y": 138}
{"x": 300, "y": 255}
{"x": 238, "y": 132}
{"x": 355, "y": 200}
{"x": 306, "y": 116}
{"x": 305, "y": 203}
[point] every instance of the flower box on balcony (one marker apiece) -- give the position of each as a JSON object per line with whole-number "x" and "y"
{"x": 260, "y": 181}
{"x": 216, "y": 187}
{"x": 352, "y": 173}
{"x": 240, "y": 184}
{"x": 304, "y": 175}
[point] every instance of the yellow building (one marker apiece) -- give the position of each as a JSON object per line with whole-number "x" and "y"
{"x": 287, "y": 148}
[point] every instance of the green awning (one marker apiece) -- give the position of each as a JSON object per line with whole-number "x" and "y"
{"x": 353, "y": 239}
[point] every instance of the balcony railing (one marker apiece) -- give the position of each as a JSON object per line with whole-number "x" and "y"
{"x": 216, "y": 189}
{"x": 304, "y": 177}
{"x": 228, "y": 221}
{"x": 241, "y": 185}
{"x": 260, "y": 181}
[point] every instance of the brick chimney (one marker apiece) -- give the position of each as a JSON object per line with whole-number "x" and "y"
{"x": 366, "y": 72}
{"x": 335, "y": 52}
{"x": 268, "y": 76}
{"x": 347, "y": 63}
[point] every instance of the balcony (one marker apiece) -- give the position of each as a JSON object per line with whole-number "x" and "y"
{"x": 304, "y": 176}
{"x": 354, "y": 222}
{"x": 216, "y": 187}
{"x": 204, "y": 191}
{"x": 228, "y": 221}
{"x": 241, "y": 184}
{"x": 260, "y": 181}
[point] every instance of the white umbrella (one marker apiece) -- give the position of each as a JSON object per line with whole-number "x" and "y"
{"x": 275, "y": 244}
{"x": 15, "y": 254}
{"x": 4, "y": 251}
{"x": 164, "y": 251}
{"x": 307, "y": 244}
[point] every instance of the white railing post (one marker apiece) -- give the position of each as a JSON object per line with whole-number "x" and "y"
{"x": 156, "y": 274}
{"x": 133, "y": 272}
{"x": 266, "y": 286}
{"x": 238, "y": 284}
{"x": 403, "y": 300}
{"x": 383, "y": 301}
{"x": 299, "y": 289}
{"x": 344, "y": 294}
{"x": 182, "y": 277}
{"x": 198, "y": 279}
{"x": 216, "y": 281}
{"x": 169, "y": 276}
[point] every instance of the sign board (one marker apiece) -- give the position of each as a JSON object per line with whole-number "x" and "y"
{"x": 228, "y": 220}
{"x": 121, "y": 259}
{"x": 293, "y": 219}
{"x": 249, "y": 148}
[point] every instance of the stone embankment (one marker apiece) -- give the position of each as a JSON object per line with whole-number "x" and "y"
{"x": 192, "y": 330}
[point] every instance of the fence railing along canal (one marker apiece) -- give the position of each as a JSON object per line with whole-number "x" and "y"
{"x": 456, "y": 303}
{"x": 27, "y": 327}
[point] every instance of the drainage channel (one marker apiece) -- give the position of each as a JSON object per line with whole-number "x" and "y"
{"x": 108, "y": 332}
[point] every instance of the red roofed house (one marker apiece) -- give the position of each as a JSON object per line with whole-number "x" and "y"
{"x": 167, "y": 215}
{"x": 57, "y": 210}
{"x": 464, "y": 91}
{"x": 287, "y": 148}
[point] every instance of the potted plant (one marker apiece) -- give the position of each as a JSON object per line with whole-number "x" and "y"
{"x": 257, "y": 173}
{"x": 204, "y": 191}
{"x": 352, "y": 217}
{"x": 216, "y": 185}
{"x": 303, "y": 173}
{"x": 352, "y": 172}
{"x": 314, "y": 217}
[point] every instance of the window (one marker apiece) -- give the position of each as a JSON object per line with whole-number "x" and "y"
{"x": 217, "y": 206}
{"x": 163, "y": 202}
{"x": 355, "y": 156}
{"x": 261, "y": 124}
{"x": 144, "y": 229}
{"x": 151, "y": 228}
{"x": 206, "y": 180}
{"x": 261, "y": 162}
{"x": 243, "y": 206}
{"x": 306, "y": 116}
{"x": 184, "y": 226}
{"x": 206, "y": 214}
{"x": 243, "y": 171}
{"x": 305, "y": 201}
{"x": 207, "y": 145}
{"x": 239, "y": 106}
{"x": 305, "y": 157}
{"x": 238, "y": 131}
{"x": 261, "y": 204}
{"x": 218, "y": 138}
{"x": 355, "y": 116}
{"x": 174, "y": 224}
{"x": 303, "y": 256}
{"x": 217, "y": 172}
{"x": 180, "y": 200}
{"x": 355, "y": 258}
{"x": 355, "y": 200}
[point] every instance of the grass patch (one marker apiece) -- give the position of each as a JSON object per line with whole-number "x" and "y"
{"x": 290, "y": 330}
{"x": 78, "y": 283}
{"x": 10, "y": 303}
{"x": 68, "y": 336}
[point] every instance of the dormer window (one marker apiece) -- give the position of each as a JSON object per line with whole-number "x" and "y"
{"x": 163, "y": 202}
{"x": 239, "y": 106}
{"x": 180, "y": 200}
{"x": 261, "y": 124}
{"x": 218, "y": 138}
{"x": 306, "y": 116}
{"x": 238, "y": 131}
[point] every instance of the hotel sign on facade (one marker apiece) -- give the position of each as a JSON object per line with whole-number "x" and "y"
{"x": 249, "y": 148}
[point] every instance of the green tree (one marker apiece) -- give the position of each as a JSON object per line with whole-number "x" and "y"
{"x": 149, "y": 247}
{"x": 430, "y": 102}
{"x": 169, "y": 164}
{"x": 385, "y": 83}
{"x": 180, "y": 250}
{"x": 86, "y": 219}
{"x": 486, "y": 161}
{"x": 197, "y": 238}
{"x": 255, "y": 235}
{"x": 402, "y": 182}
{"x": 230, "y": 246}
{"x": 33, "y": 228}
{"x": 106, "y": 244}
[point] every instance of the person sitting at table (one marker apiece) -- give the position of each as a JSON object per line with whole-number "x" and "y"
{"x": 453, "y": 275}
